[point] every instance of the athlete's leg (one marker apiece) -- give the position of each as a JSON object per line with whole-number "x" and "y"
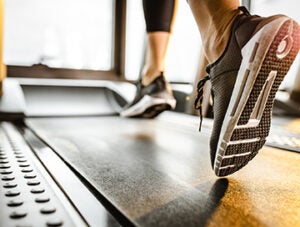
{"x": 153, "y": 91}
{"x": 214, "y": 20}
{"x": 159, "y": 17}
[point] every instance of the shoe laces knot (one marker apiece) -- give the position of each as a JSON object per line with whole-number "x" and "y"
{"x": 199, "y": 98}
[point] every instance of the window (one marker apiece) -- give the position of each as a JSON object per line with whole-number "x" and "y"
{"x": 75, "y": 34}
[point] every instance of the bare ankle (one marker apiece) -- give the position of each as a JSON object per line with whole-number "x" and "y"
{"x": 217, "y": 38}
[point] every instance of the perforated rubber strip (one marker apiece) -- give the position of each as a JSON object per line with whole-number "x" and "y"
{"x": 26, "y": 197}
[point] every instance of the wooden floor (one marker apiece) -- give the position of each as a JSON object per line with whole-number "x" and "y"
{"x": 158, "y": 173}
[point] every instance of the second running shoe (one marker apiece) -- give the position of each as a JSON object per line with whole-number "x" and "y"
{"x": 150, "y": 100}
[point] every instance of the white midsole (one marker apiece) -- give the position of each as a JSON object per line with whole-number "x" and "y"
{"x": 146, "y": 102}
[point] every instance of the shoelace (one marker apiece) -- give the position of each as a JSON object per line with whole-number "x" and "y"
{"x": 201, "y": 83}
{"x": 199, "y": 98}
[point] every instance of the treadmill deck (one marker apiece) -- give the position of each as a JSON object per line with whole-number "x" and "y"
{"x": 158, "y": 172}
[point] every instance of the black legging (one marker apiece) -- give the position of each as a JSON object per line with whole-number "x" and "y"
{"x": 159, "y": 14}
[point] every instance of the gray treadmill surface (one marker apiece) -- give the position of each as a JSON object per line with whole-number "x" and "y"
{"x": 158, "y": 172}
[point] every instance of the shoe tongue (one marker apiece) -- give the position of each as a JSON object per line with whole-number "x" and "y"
{"x": 244, "y": 10}
{"x": 158, "y": 80}
{"x": 160, "y": 77}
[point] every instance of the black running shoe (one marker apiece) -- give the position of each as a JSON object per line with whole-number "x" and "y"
{"x": 244, "y": 81}
{"x": 150, "y": 100}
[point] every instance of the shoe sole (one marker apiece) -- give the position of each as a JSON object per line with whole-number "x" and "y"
{"x": 149, "y": 107}
{"x": 267, "y": 58}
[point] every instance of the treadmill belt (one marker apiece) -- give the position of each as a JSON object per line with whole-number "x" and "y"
{"x": 158, "y": 172}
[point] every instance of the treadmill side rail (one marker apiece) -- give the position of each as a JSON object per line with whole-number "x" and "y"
{"x": 29, "y": 196}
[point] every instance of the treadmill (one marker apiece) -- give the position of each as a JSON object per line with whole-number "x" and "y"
{"x": 68, "y": 159}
